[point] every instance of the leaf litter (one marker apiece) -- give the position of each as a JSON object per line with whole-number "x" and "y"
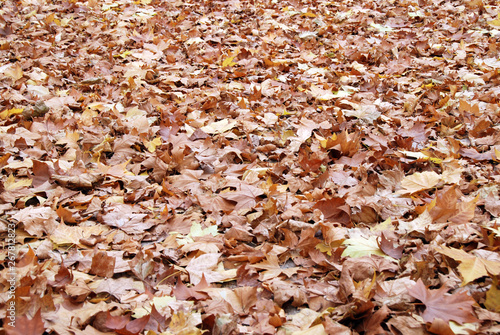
{"x": 265, "y": 167}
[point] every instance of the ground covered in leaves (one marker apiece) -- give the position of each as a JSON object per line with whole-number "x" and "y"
{"x": 250, "y": 167}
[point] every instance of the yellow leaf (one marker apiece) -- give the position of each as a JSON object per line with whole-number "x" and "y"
{"x": 11, "y": 183}
{"x": 419, "y": 181}
{"x": 219, "y": 127}
{"x": 471, "y": 267}
{"x": 323, "y": 247}
{"x": 308, "y": 14}
{"x": 386, "y": 225}
{"x": 64, "y": 22}
{"x": 229, "y": 60}
{"x": 497, "y": 154}
{"x": 183, "y": 323}
{"x": 151, "y": 145}
{"x": 159, "y": 303}
{"x": 321, "y": 94}
{"x": 123, "y": 54}
{"x": 8, "y": 112}
{"x": 492, "y": 302}
{"x": 359, "y": 247}
{"x": 324, "y": 143}
{"x": 496, "y": 22}
{"x": 421, "y": 155}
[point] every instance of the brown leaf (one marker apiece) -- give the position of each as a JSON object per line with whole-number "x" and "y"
{"x": 438, "y": 305}
{"x": 22, "y": 325}
{"x": 103, "y": 265}
{"x": 245, "y": 197}
{"x": 335, "y": 210}
{"x": 37, "y": 221}
{"x": 82, "y": 181}
{"x": 63, "y": 277}
{"x": 387, "y": 246}
{"x": 182, "y": 292}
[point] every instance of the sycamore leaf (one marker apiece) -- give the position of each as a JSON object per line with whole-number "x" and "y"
{"x": 471, "y": 267}
{"x": 8, "y": 112}
{"x": 14, "y": 71}
{"x": 419, "y": 181}
{"x": 26, "y": 326}
{"x": 420, "y": 224}
{"x": 380, "y": 27}
{"x": 158, "y": 302}
{"x": 12, "y": 184}
{"x": 496, "y": 22}
{"x": 196, "y": 231}
{"x": 320, "y": 93}
{"x": 273, "y": 268}
{"x": 245, "y": 198}
{"x": 492, "y": 302}
{"x": 151, "y": 145}
{"x": 219, "y": 127}
{"x": 315, "y": 330}
{"x": 208, "y": 265}
{"x": 439, "y": 305}
{"x": 360, "y": 246}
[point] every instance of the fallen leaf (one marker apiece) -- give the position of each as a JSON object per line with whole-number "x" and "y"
{"x": 419, "y": 181}
{"x": 471, "y": 267}
{"x": 22, "y": 325}
{"x": 492, "y": 302}
{"x": 439, "y": 305}
{"x": 360, "y": 246}
{"x": 207, "y": 265}
{"x": 103, "y": 265}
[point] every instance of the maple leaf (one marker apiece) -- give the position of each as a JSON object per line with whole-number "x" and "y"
{"x": 492, "y": 302}
{"x": 272, "y": 268}
{"x": 471, "y": 267}
{"x": 335, "y": 210}
{"x": 25, "y": 326}
{"x": 419, "y": 181}
{"x": 38, "y": 220}
{"x": 439, "y": 305}
{"x": 245, "y": 197}
{"x": 360, "y": 246}
{"x": 11, "y": 183}
{"x": 103, "y": 265}
{"x": 207, "y": 265}
{"x": 125, "y": 217}
{"x": 187, "y": 180}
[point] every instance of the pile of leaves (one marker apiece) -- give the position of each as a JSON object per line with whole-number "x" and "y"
{"x": 251, "y": 167}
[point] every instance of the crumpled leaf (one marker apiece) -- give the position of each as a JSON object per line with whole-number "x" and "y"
{"x": 84, "y": 180}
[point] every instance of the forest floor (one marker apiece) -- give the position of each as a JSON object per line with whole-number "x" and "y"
{"x": 250, "y": 167}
